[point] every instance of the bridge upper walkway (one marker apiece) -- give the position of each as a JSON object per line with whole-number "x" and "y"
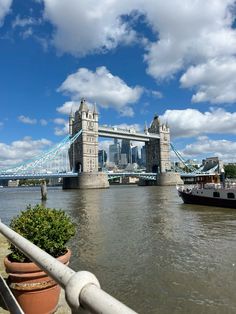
{"x": 131, "y": 134}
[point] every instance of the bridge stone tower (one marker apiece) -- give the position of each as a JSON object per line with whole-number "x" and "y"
{"x": 158, "y": 150}
{"x": 83, "y": 153}
{"x": 158, "y": 154}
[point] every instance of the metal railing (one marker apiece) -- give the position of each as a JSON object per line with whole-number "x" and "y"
{"x": 82, "y": 288}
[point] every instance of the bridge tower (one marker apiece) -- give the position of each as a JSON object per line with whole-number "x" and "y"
{"x": 158, "y": 154}
{"x": 158, "y": 150}
{"x": 83, "y": 153}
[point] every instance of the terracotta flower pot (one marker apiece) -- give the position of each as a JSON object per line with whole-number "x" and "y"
{"x": 34, "y": 290}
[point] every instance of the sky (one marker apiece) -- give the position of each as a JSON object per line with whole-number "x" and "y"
{"x": 133, "y": 58}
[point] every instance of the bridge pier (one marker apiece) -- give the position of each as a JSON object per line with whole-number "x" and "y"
{"x": 87, "y": 180}
{"x": 163, "y": 179}
{"x": 43, "y": 190}
{"x": 168, "y": 178}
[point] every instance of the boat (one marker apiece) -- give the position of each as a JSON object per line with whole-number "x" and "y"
{"x": 209, "y": 194}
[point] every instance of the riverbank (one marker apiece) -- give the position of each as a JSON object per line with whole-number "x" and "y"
{"x": 63, "y": 308}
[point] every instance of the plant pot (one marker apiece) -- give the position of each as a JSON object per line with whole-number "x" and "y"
{"x": 34, "y": 290}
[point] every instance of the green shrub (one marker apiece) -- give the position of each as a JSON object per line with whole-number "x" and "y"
{"x": 48, "y": 228}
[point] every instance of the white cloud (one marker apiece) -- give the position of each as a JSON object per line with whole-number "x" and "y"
{"x": 22, "y": 22}
{"x": 68, "y": 107}
{"x": 205, "y": 147}
{"x": 43, "y": 122}
{"x": 27, "y": 33}
{"x": 191, "y": 122}
{"x": 27, "y": 120}
{"x": 198, "y": 39}
{"x": 64, "y": 127}
{"x": 60, "y": 121}
{"x": 157, "y": 94}
{"x": 4, "y": 9}
{"x": 83, "y": 27}
{"x": 107, "y": 90}
{"x": 21, "y": 150}
{"x": 188, "y": 33}
{"x": 126, "y": 126}
{"x": 214, "y": 80}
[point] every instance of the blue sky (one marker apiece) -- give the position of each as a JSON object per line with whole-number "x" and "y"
{"x": 133, "y": 59}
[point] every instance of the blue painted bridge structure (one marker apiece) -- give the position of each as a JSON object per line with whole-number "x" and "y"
{"x": 54, "y": 163}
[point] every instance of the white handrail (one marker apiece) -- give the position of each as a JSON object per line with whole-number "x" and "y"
{"x": 81, "y": 288}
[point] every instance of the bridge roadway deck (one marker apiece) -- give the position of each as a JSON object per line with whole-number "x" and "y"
{"x": 69, "y": 174}
{"x": 20, "y": 176}
{"x": 37, "y": 175}
{"x": 114, "y": 132}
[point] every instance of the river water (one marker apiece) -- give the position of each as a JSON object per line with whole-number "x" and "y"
{"x": 146, "y": 247}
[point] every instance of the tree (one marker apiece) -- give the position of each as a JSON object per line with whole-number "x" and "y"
{"x": 230, "y": 171}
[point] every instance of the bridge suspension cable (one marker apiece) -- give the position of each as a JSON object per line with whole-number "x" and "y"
{"x": 49, "y": 156}
{"x": 191, "y": 168}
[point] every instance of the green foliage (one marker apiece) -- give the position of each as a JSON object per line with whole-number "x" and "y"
{"x": 230, "y": 171}
{"x": 48, "y": 228}
{"x": 31, "y": 182}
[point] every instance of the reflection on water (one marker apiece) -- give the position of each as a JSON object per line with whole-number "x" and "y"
{"x": 146, "y": 247}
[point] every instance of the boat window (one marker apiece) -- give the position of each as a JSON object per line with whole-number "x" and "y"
{"x": 230, "y": 195}
{"x": 216, "y": 194}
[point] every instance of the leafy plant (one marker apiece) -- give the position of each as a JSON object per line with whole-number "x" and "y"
{"x": 230, "y": 171}
{"x": 48, "y": 228}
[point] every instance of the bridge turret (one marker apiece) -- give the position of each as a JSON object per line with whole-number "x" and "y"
{"x": 145, "y": 128}
{"x": 155, "y": 125}
{"x": 71, "y": 121}
{"x": 95, "y": 113}
{"x": 83, "y": 106}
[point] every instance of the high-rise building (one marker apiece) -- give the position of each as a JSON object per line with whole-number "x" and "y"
{"x": 135, "y": 155}
{"x": 123, "y": 160}
{"x": 143, "y": 156}
{"x": 114, "y": 152}
{"x": 102, "y": 158}
{"x": 126, "y": 150}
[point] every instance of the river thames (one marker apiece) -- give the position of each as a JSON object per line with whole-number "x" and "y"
{"x": 147, "y": 248}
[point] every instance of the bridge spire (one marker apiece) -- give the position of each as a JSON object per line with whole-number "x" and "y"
{"x": 145, "y": 128}
{"x": 95, "y": 111}
{"x": 83, "y": 106}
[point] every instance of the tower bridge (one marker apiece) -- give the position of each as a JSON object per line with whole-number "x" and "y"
{"x": 81, "y": 145}
{"x": 83, "y": 152}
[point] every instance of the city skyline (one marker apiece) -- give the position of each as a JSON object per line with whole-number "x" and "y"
{"x": 133, "y": 59}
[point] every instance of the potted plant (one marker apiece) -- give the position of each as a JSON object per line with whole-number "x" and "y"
{"x": 49, "y": 229}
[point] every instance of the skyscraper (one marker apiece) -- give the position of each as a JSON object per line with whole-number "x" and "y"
{"x": 125, "y": 149}
{"x": 114, "y": 152}
{"x": 102, "y": 158}
{"x": 134, "y": 154}
{"x": 143, "y": 156}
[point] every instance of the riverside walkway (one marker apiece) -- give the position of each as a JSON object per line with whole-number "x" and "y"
{"x": 63, "y": 308}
